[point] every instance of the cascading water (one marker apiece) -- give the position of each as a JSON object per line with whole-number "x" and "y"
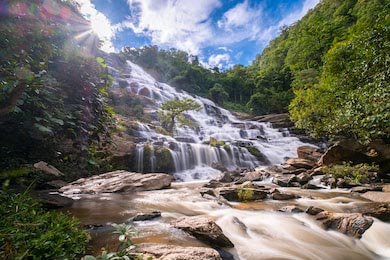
{"x": 237, "y": 144}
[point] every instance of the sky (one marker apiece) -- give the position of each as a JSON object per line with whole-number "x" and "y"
{"x": 221, "y": 33}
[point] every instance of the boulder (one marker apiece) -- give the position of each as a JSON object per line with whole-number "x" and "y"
{"x": 241, "y": 194}
{"x": 374, "y": 209}
{"x": 282, "y": 181}
{"x": 48, "y": 169}
{"x": 283, "y": 196}
{"x": 171, "y": 252}
{"x": 147, "y": 216}
{"x": 364, "y": 189}
{"x": 304, "y": 178}
{"x": 313, "y": 210}
{"x": 51, "y": 201}
{"x": 351, "y": 224}
{"x": 122, "y": 150}
{"x": 204, "y": 229}
{"x": 344, "y": 151}
{"x": 291, "y": 209}
{"x": 301, "y": 163}
{"x": 118, "y": 181}
{"x": 310, "y": 153}
{"x": 377, "y": 196}
{"x": 309, "y": 186}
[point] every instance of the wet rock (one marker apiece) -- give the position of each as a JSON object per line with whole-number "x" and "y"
{"x": 309, "y": 153}
{"x": 313, "y": 210}
{"x": 241, "y": 194}
{"x": 304, "y": 178}
{"x": 227, "y": 176}
{"x": 309, "y": 186}
{"x": 118, "y": 181}
{"x": 170, "y": 252}
{"x": 52, "y": 201}
{"x": 377, "y": 210}
{"x": 344, "y": 183}
{"x": 55, "y": 184}
{"x": 291, "y": 209}
{"x": 344, "y": 151}
{"x": 206, "y": 191}
{"x": 351, "y": 224}
{"x": 282, "y": 181}
{"x": 204, "y": 229}
{"x": 47, "y": 169}
{"x": 377, "y": 196}
{"x": 283, "y": 196}
{"x": 185, "y": 139}
{"x": 147, "y": 216}
{"x": 364, "y": 189}
{"x": 300, "y": 163}
{"x": 213, "y": 184}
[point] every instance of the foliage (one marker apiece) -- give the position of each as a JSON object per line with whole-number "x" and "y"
{"x": 125, "y": 232}
{"x": 28, "y": 232}
{"x": 218, "y": 94}
{"x": 172, "y": 111}
{"x": 216, "y": 143}
{"x": 53, "y": 89}
{"x": 360, "y": 173}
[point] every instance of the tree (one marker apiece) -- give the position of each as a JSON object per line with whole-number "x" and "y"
{"x": 218, "y": 94}
{"x": 172, "y": 112}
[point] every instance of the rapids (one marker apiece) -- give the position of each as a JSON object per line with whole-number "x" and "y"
{"x": 245, "y": 144}
{"x": 257, "y": 229}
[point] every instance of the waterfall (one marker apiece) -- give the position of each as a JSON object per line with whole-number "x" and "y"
{"x": 191, "y": 152}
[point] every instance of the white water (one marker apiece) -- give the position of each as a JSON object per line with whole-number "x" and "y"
{"x": 191, "y": 156}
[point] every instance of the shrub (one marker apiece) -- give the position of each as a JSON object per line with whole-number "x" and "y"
{"x": 360, "y": 173}
{"x": 28, "y": 232}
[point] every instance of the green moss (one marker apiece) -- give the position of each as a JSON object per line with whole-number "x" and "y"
{"x": 164, "y": 160}
{"x": 216, "y": 143}
{"x": 227, "y": 147}
{"x": 360, "y": 173}
{"x": 245, "y": 194}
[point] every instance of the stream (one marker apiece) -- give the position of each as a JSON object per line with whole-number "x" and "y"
{"x": 257, "y": 229}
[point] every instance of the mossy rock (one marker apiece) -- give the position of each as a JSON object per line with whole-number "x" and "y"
{"x": 164, "y": 160}
{"x": 259, "y": 155}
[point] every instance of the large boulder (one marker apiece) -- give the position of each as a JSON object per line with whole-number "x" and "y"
{"x": 48, "y": 169}
{"x": 171, "y": 252}
{"x": 377, "y": 196}
{"x": 344, "y": 151}
{"x": 351, "y": 224}
{"x": 204, "y": 229}
{"x": 118, "y": 181}
{"x": 241, "y": 193}
{"x": 309, "y": 153}
{"x": 301, "y": 163}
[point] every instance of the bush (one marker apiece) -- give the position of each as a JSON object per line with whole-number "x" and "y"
{"x": 360, "y": 173}
{"x": 28, "y": 232}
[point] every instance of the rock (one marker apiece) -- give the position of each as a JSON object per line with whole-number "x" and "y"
{"x": 346, "y": 183}
{"x": 147, "y": 216}
{"x": 52, "y": 201}
{"x": 93, "y": 226}
{"x": 204, "y": 229}
{"x": 377, "y": 196}
{"x": 300, "y": 163}
{"x": 364, "y": 189}
{"x": 55, "y": 184}
{"x": 304, "y": 178}
{"x": 277, "y": 120}
{"x": 48, "y": 169}
{"x": 282, "y": 181}
{"x": 241, "y": 194}
{"x": 206, "y": 191}
{"x": 309, "y": 186}
{"x": 213, "y": 184}
{"x": 219, "y": 167}
{"x": 351, "y": 224}
{"x": 317, "y": 171}
{"x": 344, "y": 151}
{"x": 170, "y": 252}
{"x": 118, "y": 181}
{"x": 386, "y": 188}
{"x": 291, "y": 209}
{"x": 229, "y": 176}
{"x": 374, "y": 209}
{"x": 313, "y": 210}
{"x": 253, "y": 176}
{"x": 310, "y": 153}
{"x": 283, "y": 196}
{"x": 122, "y": 150}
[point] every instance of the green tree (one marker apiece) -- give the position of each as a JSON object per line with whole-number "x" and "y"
{"x": 172, "y": 111}
{"x": 218, "y": 94}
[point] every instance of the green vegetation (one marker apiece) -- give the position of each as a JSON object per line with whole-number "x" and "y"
{"x": 171, "y": 113}
{"x": 216, "y": 143}
{"x": 125, "y": 232}
{"x": 53, "y": 86}
{"x": 28, "y": 232}
{"x": 359, "y": 174}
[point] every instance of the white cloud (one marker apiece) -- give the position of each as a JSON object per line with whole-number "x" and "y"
{"x": 219, "y": 60}
{"x": 182, "y": 24}
{"x": 100, "y": 24}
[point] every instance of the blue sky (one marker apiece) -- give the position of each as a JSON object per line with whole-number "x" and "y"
{"x": 221, "y": 32}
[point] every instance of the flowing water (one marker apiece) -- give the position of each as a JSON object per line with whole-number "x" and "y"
{"x": 257, "y": 229}
{"x": 191, "y": 154}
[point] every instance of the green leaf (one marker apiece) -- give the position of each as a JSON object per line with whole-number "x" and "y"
{"x": 57, "y": 121}
{"x": 43, "y": 129}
